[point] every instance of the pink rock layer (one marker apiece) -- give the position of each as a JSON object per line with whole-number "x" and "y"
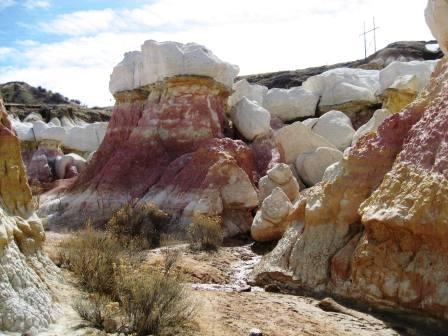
{"x": 164, "y": 144}
{"x": 378, "y": 230}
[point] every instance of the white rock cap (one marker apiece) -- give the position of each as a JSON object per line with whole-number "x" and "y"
{"x": 159, "y": 60}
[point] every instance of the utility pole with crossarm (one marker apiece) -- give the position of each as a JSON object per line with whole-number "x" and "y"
{"x": 374, "y": 29}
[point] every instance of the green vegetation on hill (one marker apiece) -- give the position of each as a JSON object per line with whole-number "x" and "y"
{"x": 23, "y": 93}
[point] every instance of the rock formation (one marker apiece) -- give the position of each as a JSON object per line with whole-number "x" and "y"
{"x": 404, "y": 51}
{"x": 25, "y": 301}
{"x": 252, "y": 92}
{"x": 376, "y": 229}
{"x": 336, "y": 127}
{"x": 296, "y": 139}
{"x": 311, "y": 166}
{"x": 165, "y": 144}
{"x": 291, "y": 104}
{"x": 400, "y": 82}
{"x": 278, "y": 190}
{"x": 250, "y": 119}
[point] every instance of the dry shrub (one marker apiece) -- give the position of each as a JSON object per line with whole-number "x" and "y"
{"x": 92, "y": 309}
{"x": 154, "y": 303}
{"x": 92, "y": 256}
{"x": 138, "y": 224}
{"x": 205, "y": 232}
{"x": 171, "y": 258}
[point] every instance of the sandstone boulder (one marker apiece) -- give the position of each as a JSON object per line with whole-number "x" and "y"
{"x": 252, "y": 92}
{"x": 291, "y": 104}
{"x": 344, "y": 85}
{"x": 311, "y": 166}
{"x": 336, "y": 127}
{"x": 270, "y": 221}
{"x": 250, "y": 119}
{"x": 69, "y": 165}
{"x": 295, "y": 139}
{"x": 280, "y": 176}
{"x": 400, "y": 82}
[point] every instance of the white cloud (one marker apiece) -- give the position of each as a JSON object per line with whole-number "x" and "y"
{"x": 257, "y": 35}
{"x": 33, "y": 4}
{"x": 6, "y": 3}
{"x": 6, "y": 52}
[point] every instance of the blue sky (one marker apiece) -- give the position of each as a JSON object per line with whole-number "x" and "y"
{"x": 71, "y": 46}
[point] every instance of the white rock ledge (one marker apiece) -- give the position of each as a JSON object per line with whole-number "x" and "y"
{"x": 159, "y": 60}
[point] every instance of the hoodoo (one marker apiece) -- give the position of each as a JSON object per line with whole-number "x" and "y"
{"x": 165, "y": 143}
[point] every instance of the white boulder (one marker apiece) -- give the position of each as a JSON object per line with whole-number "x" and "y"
{"x": 159, "y": 60}
{"x": 406, "y": 76}
{"x": 280, "y": 176}
{"x": 276, "y": 206}
{"x": 271, "y": 221}
{"x": 295, "y": 139}
{"x": 252, "y": 92}
{"x": 43, "y": 131}
{"x": 85, "y": 138}
{"x": 280, "y": 173}
{"x": 310, "y": 122}
{"x": 436, "y": 15}
{"x": 336, "y": 127}
{"x": 24, "y": 130}
{"x": 372, "y": 125}
{"x": 250, "y": 119}
{"x": 311, "y": 166}
{"x": 343, "y": 85}
{"x": 290, "y": 104}
{"x": 71, "y": 159}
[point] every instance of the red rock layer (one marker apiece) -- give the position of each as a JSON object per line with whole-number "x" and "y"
{"x": 377, "y": 230}
{"x": 162, "y": 144}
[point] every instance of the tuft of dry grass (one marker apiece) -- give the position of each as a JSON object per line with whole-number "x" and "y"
{"x": 205, "y": 233}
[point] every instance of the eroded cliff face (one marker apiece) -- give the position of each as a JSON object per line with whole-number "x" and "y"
{"x": 165, "y": 144}
{"x": 376, "y": 228}
{"x": 25, "y": 300}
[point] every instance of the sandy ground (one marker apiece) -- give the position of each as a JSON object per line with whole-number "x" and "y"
{"x": 226, "y": 305}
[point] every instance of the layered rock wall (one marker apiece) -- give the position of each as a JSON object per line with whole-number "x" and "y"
{"x": 25, "y": 301}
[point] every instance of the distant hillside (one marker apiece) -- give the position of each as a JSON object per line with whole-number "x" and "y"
{"x": 22, "y": 99}
{"x": 398, "y": 51}
{"x": 23, "y": 93}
